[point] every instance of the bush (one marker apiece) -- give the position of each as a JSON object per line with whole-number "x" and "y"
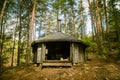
{"x": 3, "y": 60}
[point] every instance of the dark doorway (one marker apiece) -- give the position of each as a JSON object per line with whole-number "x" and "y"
{"x": 58, "y": 51}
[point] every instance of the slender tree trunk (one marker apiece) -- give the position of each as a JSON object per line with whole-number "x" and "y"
{"x": 13, "y": 47}
{"x": 3, "y": 10}
{"x": 32, "y": 21}
{"x": 73, "y": 19}
{"x": 1, "y": 23}
{"x": 13, "y": 51}
{"x": 28, "y": 28}
{"x": 101, "y": 27}
{"x": 106, "y": 17}
{"x": 107, "y": 26}
{"x": 2, "y": 30}
{"x": 1, "y": 38}
{"x": 98, "y": 21}
{"x": 28, "y": 20}
{"x": 69, "y": 26}
{"x": 48, "y": 28}
{"x": 65, "y": 22}
{"x": 82, "y": 20}
{"x": 92, "y": 21}
{"x": 31, "y": 32}
{"x": 98, "y": 27}
{"x": 57, "y": 20}
{"x": 1, "y": 43}
{"x": 19, "y": 35}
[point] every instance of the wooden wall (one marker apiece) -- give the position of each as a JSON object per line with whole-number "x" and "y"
{"x": 78, "y": 53}
{"x": 41, "y": 53}
{"x": 81, "y": 53}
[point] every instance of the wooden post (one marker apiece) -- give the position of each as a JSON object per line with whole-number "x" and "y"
{"x": 43, "y": 51}
{"x": 35, "y": 56}
{"x": 71, "y": 52}
{"x": 39, "y": 55}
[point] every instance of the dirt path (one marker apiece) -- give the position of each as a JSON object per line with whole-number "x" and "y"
{"x": 96, "y": 69}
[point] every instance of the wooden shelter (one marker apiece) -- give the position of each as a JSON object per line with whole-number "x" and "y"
{"x": 58, "y": 49}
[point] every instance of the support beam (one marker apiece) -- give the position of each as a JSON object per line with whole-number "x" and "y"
{"x": 43, "y": 51}
{"x": 71, "y": 52}
{"x": 39, "y": 55}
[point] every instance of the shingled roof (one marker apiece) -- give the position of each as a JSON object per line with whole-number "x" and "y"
{"x": 58, "y": 37}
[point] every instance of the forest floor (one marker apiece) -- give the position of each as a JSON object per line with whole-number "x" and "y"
{"x": 95, "y": 69}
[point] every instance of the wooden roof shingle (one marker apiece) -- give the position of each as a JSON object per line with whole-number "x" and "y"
{"x": 58, "y": 37}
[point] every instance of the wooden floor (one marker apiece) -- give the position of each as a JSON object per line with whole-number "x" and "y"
{"x": 56, "y": 63}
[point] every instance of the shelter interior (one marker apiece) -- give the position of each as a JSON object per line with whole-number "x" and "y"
{"x": 57, "y": 51}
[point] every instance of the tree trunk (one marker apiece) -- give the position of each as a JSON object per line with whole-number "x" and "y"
{"x": 92, "y": 21}
{"x": 73, "y": 19}
{"x": 82, "y": 20}
{"x": 2, "y": 42}
{"x": 19, "y": 35}
{"x": 28, "y": 25}
{"x": 2, "y": 11}
{"x": 2, "y": 30}
{"x": 65, "y": 22}
{"x": 101, "y": 27}
{"x": 31, "y": 32}
{"x": 106, "y": 17}
{"x": 13, "y": 47}
{"x": 57, "y": 20}
{"x": 98, "y": 27}
{"x": 32, "y": 21}
{"x": 49, "y": 24}
{"x": 1, "y": 21}
{"x": 107, "y": 27}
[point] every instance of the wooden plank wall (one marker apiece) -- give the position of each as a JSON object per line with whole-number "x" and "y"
{"x": 78, "y": 53}
{"x": 75, "y": 53}
{"x": 43, "y": 51}
{"x": 81, "y": 53}
{"x": 39, "y": 53}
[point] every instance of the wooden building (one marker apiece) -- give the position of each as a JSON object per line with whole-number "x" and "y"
{"x": 58, "y": 49}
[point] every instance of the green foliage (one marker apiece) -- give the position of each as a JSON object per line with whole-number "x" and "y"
{"x": 92, "y": 45}
{"x": 88, "y": 40}
{"x": 3, "y": 59}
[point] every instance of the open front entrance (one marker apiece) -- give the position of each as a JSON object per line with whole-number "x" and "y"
{"x": 58, "y": 51}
